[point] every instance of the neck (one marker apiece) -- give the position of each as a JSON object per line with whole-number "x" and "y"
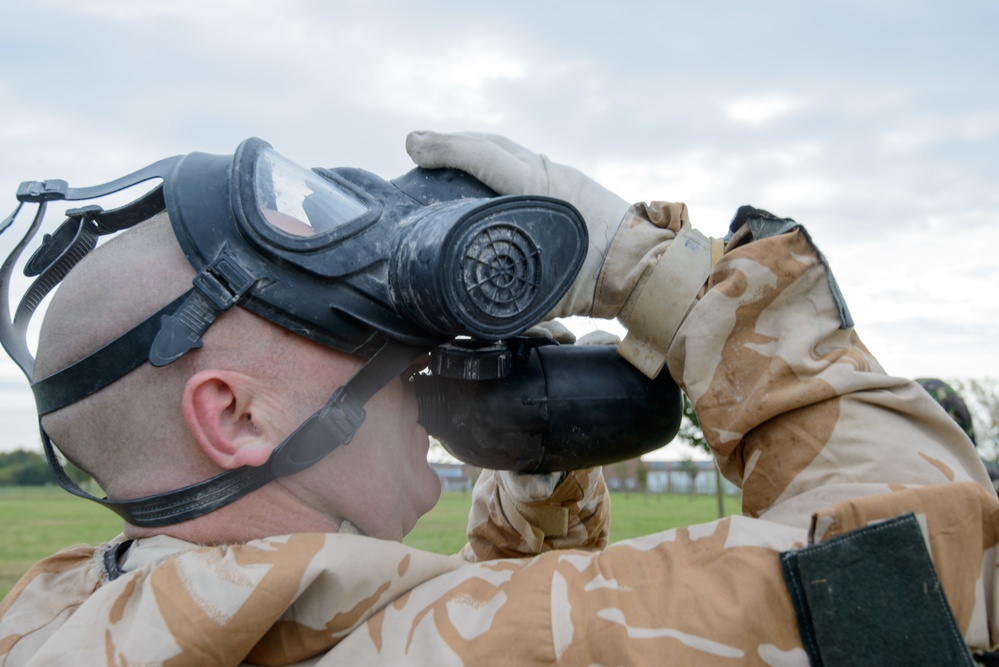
{"x": 266, "y": 512}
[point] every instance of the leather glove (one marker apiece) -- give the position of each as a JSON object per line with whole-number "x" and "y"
{"x": 633, "y": 269}
{"x": 530, "y": 487}
{"x": 509, "y": 168}
{"x": 552, "y": 330}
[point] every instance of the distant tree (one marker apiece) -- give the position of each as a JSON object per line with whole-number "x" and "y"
{"x": 690, "y": 427}
{"x": 23, "y": 467}
{"x": 982, "y": 398}
{"x": 689, "y": 466}
{"x": 642, "y": 472}
{"x": 620, "y": 474}
{"x": 693, "y": 435}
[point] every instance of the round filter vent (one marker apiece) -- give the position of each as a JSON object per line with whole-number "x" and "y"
{"x": 501, "y": 270}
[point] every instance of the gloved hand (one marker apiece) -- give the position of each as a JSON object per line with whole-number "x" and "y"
{"x": 509, "y": 168}
{"x": 552, "y": 330}
{"x": 530, "y": 487}
{"x": 633, "y": 269}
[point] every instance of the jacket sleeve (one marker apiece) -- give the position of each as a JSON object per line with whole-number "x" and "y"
{"x": 797, "y": 411}
{"x": 575, "y": 516}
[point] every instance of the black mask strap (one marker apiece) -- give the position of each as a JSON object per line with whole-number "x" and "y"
{"x": 217, "y": 288}
{"x": 336, "y": 422}
{"x": 173, "y": 330}
{"x": 333, "y": 425}
{"x": 96, "y": 371}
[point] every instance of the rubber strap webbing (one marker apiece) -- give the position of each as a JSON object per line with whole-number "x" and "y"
{"x": 333, "y": 425}
{"x": 96, "y": 371}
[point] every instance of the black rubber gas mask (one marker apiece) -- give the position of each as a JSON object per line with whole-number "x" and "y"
{"x": 347, "y": 258}
{"x": 386, "y": 270}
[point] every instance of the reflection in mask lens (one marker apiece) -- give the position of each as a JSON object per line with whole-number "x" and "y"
{"x": 297, "y": 201}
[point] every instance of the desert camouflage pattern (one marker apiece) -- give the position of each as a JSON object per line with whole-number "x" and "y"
{"x": 798, "y": 413}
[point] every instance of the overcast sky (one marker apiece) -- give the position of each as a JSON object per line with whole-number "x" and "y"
{"x": 876, "y": 124}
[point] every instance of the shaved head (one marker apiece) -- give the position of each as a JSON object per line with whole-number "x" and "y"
{"x": 118, "y": 285}
{"x": 114, "y": 288}
{"x": 131, "y": 436}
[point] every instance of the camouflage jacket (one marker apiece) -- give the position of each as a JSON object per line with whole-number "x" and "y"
{"x": 823, "y": 443}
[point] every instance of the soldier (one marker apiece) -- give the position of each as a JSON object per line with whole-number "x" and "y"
{"x": 868, "y": 526}
{"x": 952, "y": 403}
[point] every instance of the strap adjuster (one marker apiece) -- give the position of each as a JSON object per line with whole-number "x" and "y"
{"x": 224, "y": 282}
{"x": 217, "y": 288}
{"x": 36, "y": 192}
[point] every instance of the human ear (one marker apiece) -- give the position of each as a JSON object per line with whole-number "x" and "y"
{"x": 218, "y": 409}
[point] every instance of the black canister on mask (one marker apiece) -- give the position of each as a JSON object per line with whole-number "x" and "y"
{"x": 542, "y": 408}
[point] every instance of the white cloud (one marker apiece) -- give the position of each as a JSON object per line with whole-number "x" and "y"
{"x": 684, "y": 177}
{"x": 790, "y": 193}
{"x": 452, "y": 86}
{"x": 904, "y": 142}
{"x": 757, "y": 110}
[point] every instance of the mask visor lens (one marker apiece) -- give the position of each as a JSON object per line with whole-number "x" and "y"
{"x": 299, "y": 202}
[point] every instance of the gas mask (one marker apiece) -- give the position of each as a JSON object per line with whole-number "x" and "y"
{"x": 385, "y": 270}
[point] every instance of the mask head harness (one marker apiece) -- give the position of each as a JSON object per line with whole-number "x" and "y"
{"x": 383, "y": 270}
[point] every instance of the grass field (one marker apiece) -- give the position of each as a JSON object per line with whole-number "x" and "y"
{"x": 39, "y": 521}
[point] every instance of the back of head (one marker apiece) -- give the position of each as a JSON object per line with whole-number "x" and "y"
{"x": 136, "y": 418}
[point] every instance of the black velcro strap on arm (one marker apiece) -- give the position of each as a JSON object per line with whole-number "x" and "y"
{"x": 872, "y": 597}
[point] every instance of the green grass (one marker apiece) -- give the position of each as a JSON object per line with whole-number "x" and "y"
{"x": 632, "y": 515}
{"x": 37, "y": 522}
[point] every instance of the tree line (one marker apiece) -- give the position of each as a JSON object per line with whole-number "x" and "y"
{"x": 24, "y": 467}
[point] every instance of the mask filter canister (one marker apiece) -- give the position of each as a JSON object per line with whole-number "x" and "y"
{"x": 533, "y": 408}
{"x": 482, "y": 267}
